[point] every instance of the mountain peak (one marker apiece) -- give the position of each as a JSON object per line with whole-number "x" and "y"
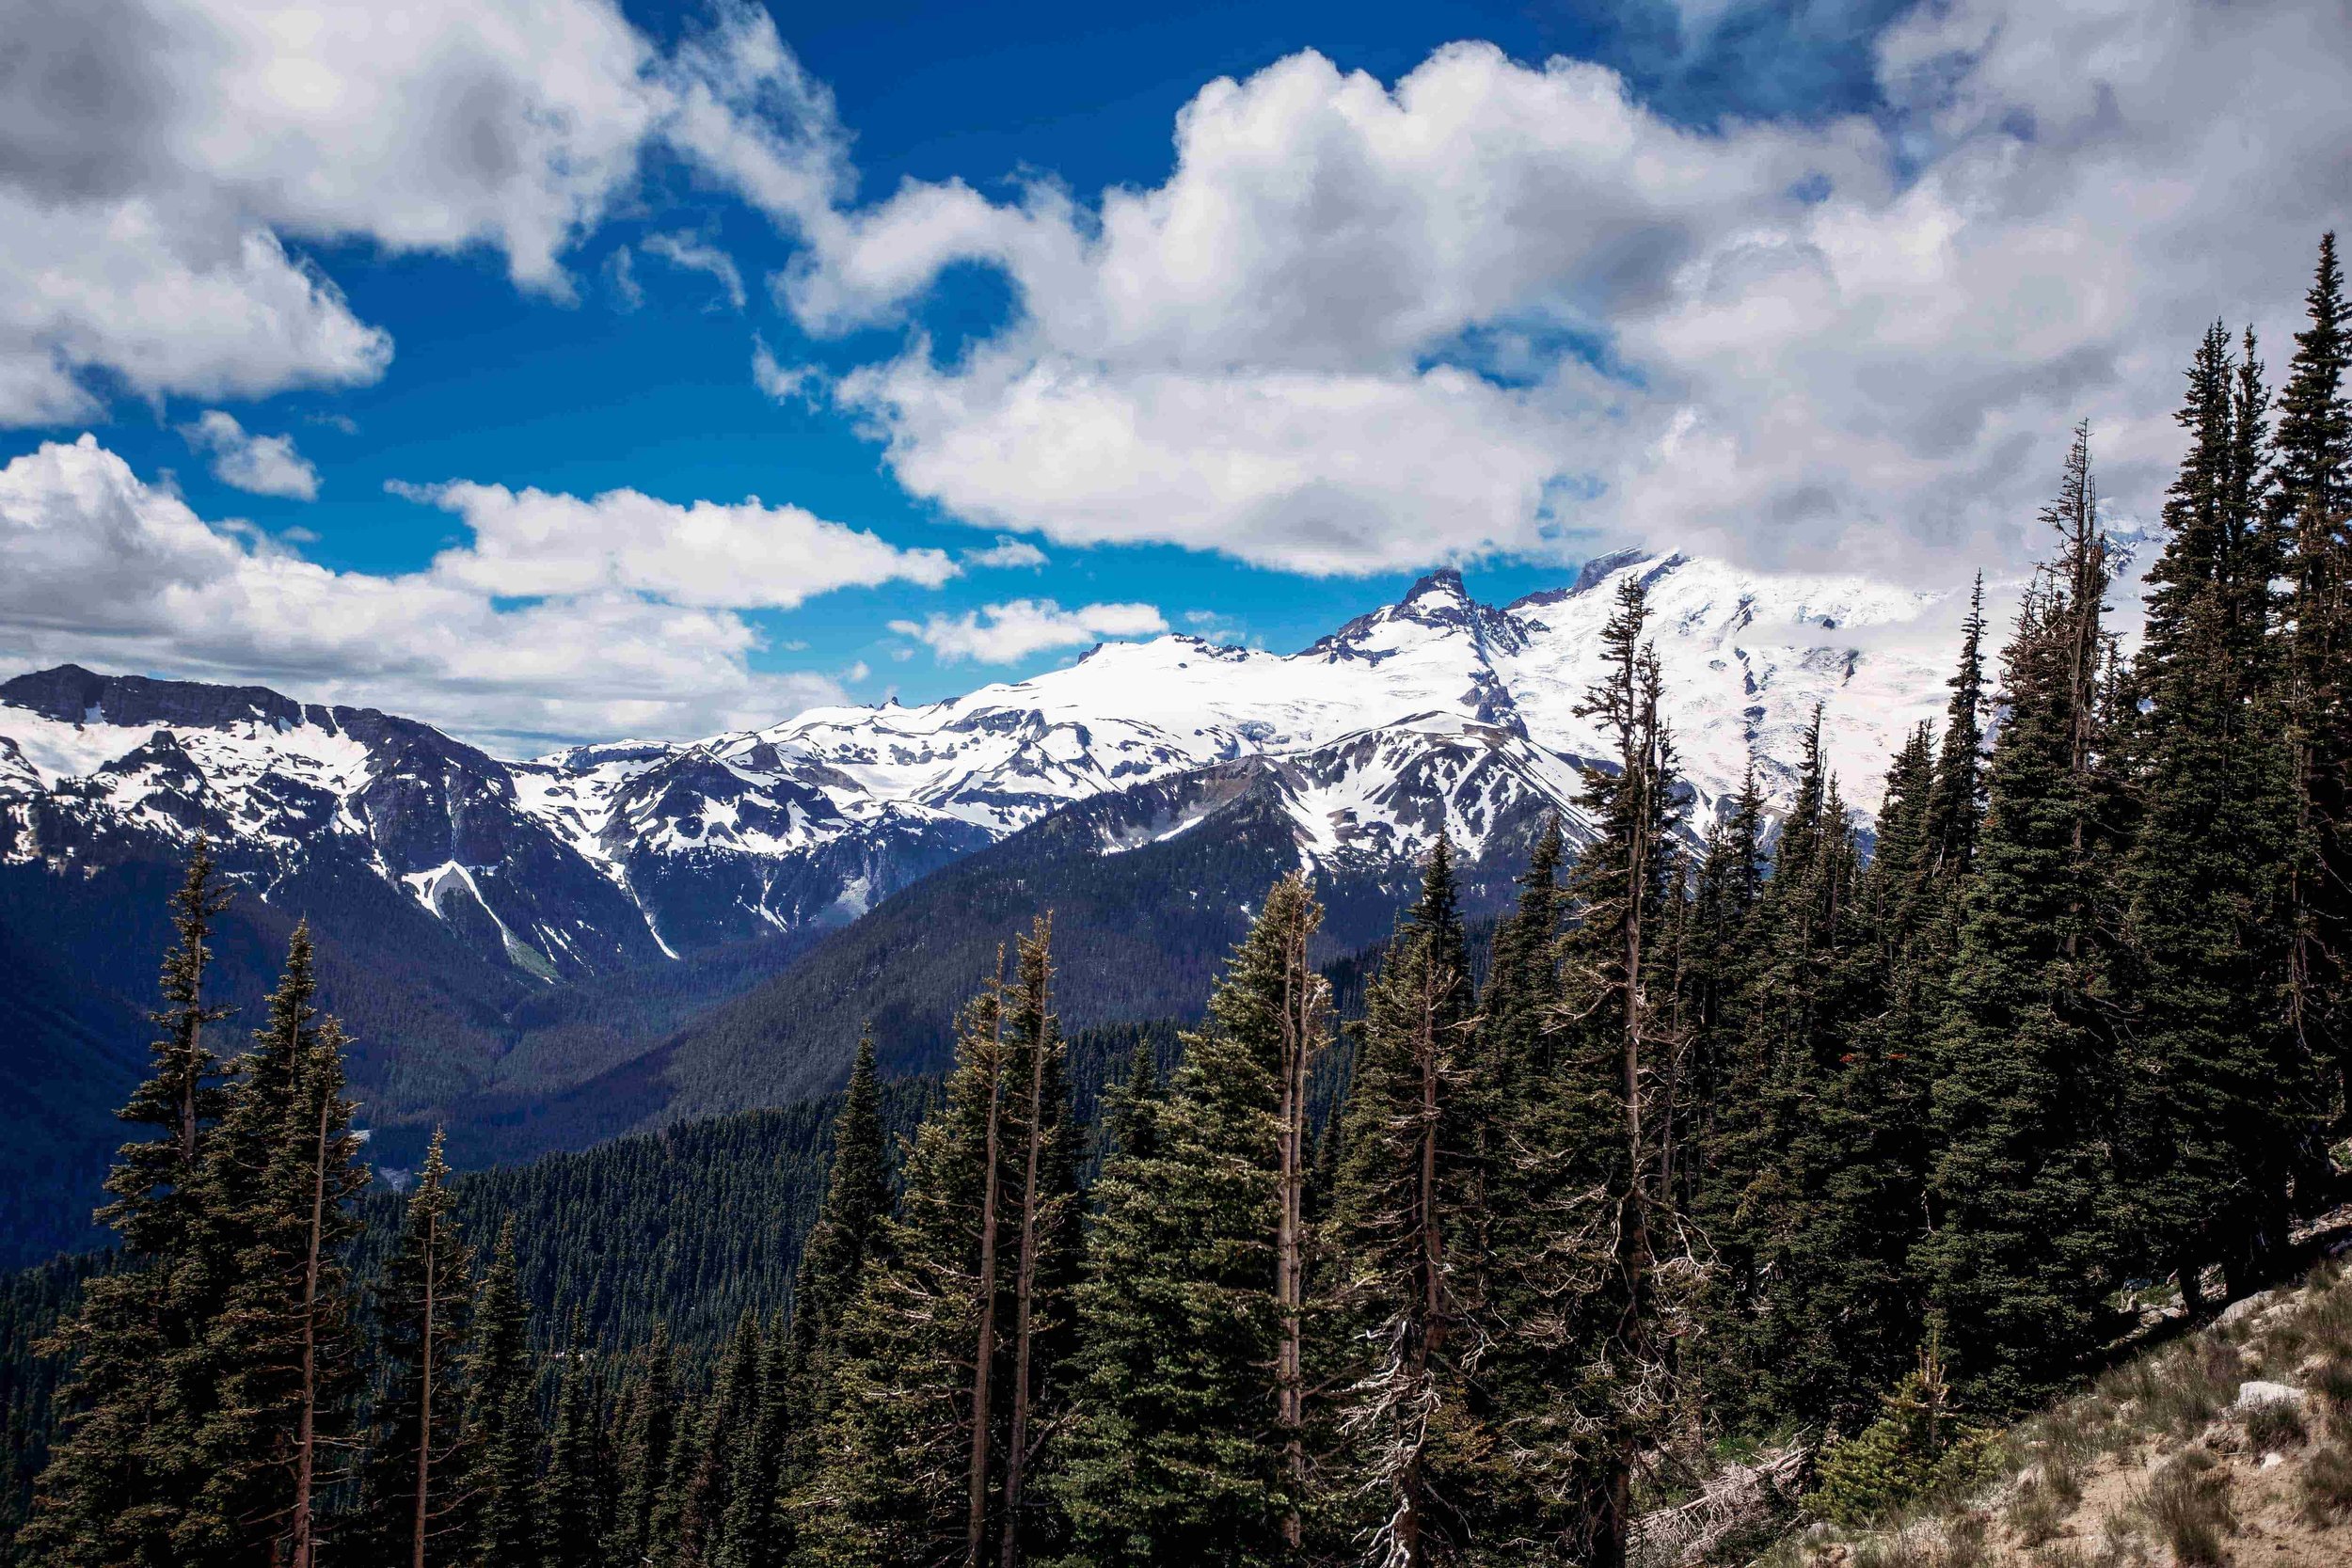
{"x": 74, "y": 695}
{"x": 1443, "y": 583}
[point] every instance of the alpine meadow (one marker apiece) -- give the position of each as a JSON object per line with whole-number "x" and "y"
{"x": 1781, "y": 1000}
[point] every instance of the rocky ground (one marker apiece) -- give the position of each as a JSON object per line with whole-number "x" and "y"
{"x": 2231, "y": 1444}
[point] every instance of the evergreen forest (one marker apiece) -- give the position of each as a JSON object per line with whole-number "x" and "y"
{"x": 1766, "y": 1131}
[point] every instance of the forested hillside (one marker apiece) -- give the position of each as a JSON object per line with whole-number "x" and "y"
{"x": 1764, "y": 1139}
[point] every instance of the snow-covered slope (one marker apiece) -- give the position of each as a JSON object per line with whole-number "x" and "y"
{"x": 1435, "y": 711}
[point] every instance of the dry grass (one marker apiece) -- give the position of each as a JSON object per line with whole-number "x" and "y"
{"x": 2276, "y": 1426}
{"x": 2156, "y": 1464}
{"x": 2189, "y": 1502}
{"x": 2326, "y": 1486}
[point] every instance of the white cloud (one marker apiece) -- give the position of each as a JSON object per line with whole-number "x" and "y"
{"x": 1006, "y": 633}
{"x": 158, "y": 157}
{"x": 1502, "y": 307}
{"x": 531, "y": 542}
{"x": 1006, "y": 552}
{"x": 620, "y": 275}
{"x": 110, "y": 570}
{"x": 782, "y": 382}
{"x": 684, "y": 250}
{"x": 263, "y": 465}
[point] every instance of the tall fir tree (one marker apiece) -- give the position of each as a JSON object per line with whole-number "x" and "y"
{"x": 280, "y": 1435}
{"x": 412, "y": 1489}
{"x": 118, "y": 1478}
{"x": 932, "y": 1356}
{"x": 748, "y": 1535}
{"x": 2311, "y": 501}
{"x": 1188, "y": 1441}
{"x": 2020, "y": 1255}
{"x": 572, "y": 1493}
{"x": 1041, "y": 1185}
{"x": 1406, "y": 1217}
{"x": 646, "y": 1429}
{"x": 847, "y": 1236}
{"x": 502, "y": 1428}
{"x": 2221, "y": 1099}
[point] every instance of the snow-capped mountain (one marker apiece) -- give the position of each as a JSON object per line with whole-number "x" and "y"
{"x": 1437, "y": 712}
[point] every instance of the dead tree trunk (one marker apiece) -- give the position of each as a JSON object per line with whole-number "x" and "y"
{"x": 1024, "y": 1288}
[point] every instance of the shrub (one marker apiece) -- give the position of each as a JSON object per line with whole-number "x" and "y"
{"x": 2275, "y": 1425}
{"x": 2189, "y": 1502}
{"x": 2122, "y": 1546}
{"x": 2037, "y": 1512}
{"x": 2332, "y": 1384}
{"x": 2327, "y": 1486}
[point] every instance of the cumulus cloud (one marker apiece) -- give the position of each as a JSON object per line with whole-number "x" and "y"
{"x": 1506, "y": 307}
{"x": 711, "y": 554}
{"x": 1006, "y": 552}
{"x": 108, "y": 569}
{"x": 692, "y": 254}
{"x": 1007, "y": 633}
{"x": 263, "y": 465}
{"x": 159, "y": 157}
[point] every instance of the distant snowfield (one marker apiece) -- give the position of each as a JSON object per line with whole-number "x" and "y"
{"x": 1435, "y": 711}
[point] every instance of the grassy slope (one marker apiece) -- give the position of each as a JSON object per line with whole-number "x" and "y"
{"x": 2161, "y": 1462}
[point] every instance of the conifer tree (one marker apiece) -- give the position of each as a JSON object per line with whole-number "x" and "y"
{"x": 726, "y": 1428}
{"x": 280, "y": 1435}
{"x": 1406, "y": 1218}
{"x": 931, "y": 1361}
{"x": 503, "y": 1431}
{"x": 1955, "y": 808}
{"x": 412, "y": 1492}
{"x": 117, "y": 1480}
{"x": 1522, "y": 980}
{"x": 1041, "y": 1217}
{"x": 1132, "y": 1107}
{"x": 572, "y": 1491}
{"x": 748, "y": 1535}
{"x": 645, "y": 1431}
{"x": 1830, "y": 1218}
{"x": 1187, "y": 1444}
{"x": 1582, "y": 1254}
{"x": 2221, "y": 1099}
{"x": 2312, "y": 500}
{"x": 2019, "y": 1257}
{"x": 847, "y": 1235}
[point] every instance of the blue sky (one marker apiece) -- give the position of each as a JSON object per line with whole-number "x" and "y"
{"x": 1823, "y": 338}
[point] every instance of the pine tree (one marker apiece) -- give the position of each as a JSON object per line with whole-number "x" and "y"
{"x": 1406, "y": 1218}
{"x": 117, "y": 1480}
{"x": 929, "y": 1365}
{"x": 502, "y": 1430}
{"x": 724, "y": 1445}
{"x": 1584, "y": 1307}
{"x": 847, "y": 1236}
{"x": 280, "y": 1435}
{"x": 415, "y": 1465}
{"x": 1042, "y": 1188}
{"x": 641, "y": 1461}
{"x": 2312, "y": 500}
{"x": 2019, "y": 1257}
{"x": 2221, "y": 1101}
{"x": 1188, "y": 1442}
{"x": 571, "y": 1493}
{"x": 1830, "y": 1216}
{"x": 1955, "y": 808}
